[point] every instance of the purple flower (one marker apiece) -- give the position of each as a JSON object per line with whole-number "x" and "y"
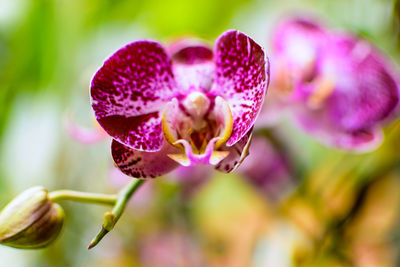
{"x": 267, "y": 169}
{"x": 189, "y": 106}
{"x": 297, "y": 45}
{"x": 339, "y": 86}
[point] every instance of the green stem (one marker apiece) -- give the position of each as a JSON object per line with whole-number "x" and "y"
{"x": 85, "y": 197}
{"x": 111, "y": 218}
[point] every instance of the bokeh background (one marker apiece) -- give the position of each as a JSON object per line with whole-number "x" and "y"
{"x": 328, "y": 208}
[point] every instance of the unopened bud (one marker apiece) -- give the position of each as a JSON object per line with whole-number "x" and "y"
{"x": 30, "y": 220}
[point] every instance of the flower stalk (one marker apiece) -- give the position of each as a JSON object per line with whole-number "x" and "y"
{"x": 84, "y": 197}
{"x": 111, "y": 218}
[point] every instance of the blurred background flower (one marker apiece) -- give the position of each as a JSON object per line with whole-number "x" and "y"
{"x": 294, "y": 202}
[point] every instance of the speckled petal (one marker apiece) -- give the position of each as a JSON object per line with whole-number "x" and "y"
{"x": 128, "y": 92}
{"x": 193, "y": 65}
{"x": 190, "y": 51}
{"x": 241, "y": 78}
{"x": 140, "y": 164}
{"x": 237, "y": 153}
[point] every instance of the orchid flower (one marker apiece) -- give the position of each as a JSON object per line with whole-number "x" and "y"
{"x": 189, "y": 106}
{"x": 297, "y": 48}
{"x": 339, "y": 86}
{"x": 297, "y": 45}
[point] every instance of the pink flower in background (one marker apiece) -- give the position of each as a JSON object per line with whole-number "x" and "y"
{"x": 267, "y": 169}
{"x": 297, "y": 45}
{"x": 195, "y": 106}
{"x": 86, "y": 136}
{"x": 338, "y": 87}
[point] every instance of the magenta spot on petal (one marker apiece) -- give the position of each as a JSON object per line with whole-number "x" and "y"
{"x": 193, "y": 55}
{"x": 135, "y": 130}
{"x": 237, "y": 153}
{"x": 135, "y": 81}
{"x": 241, "y": 79}
{"x": 141, "y": 164}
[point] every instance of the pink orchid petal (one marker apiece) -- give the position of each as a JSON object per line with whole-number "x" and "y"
{"x": 190, "y": 51}
{"x": 140, "y": 164}
{"x": 329, "y": 134}
{"x": 365, "y": 91}
{"x": 297, "y": 44}
{"x": 193, "y": 65}
{"x": 173, "y": 118}
{"x": 195, "y": 77}
{"x": 241, "y": 78}
{"x": 128, "y": 92}
{"x": 83, "y": 135}
{"x": 237, "y": 153}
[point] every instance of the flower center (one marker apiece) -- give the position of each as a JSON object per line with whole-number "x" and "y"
{"x": 324, "y": 87}
{"x": 198, "y": 125}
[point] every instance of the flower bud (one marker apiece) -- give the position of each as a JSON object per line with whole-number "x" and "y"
{"x": 30, "y": 220}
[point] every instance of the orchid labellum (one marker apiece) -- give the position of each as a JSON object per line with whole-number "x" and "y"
{"x": 184, "y": 106}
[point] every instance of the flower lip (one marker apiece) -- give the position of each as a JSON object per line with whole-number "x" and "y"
{"x": 198, "y": 126}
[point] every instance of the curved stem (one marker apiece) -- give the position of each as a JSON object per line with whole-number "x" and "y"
{"x": 85, "y": 197}
{"x": 111, "y": 218}
{"x": 124, "y": 196}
